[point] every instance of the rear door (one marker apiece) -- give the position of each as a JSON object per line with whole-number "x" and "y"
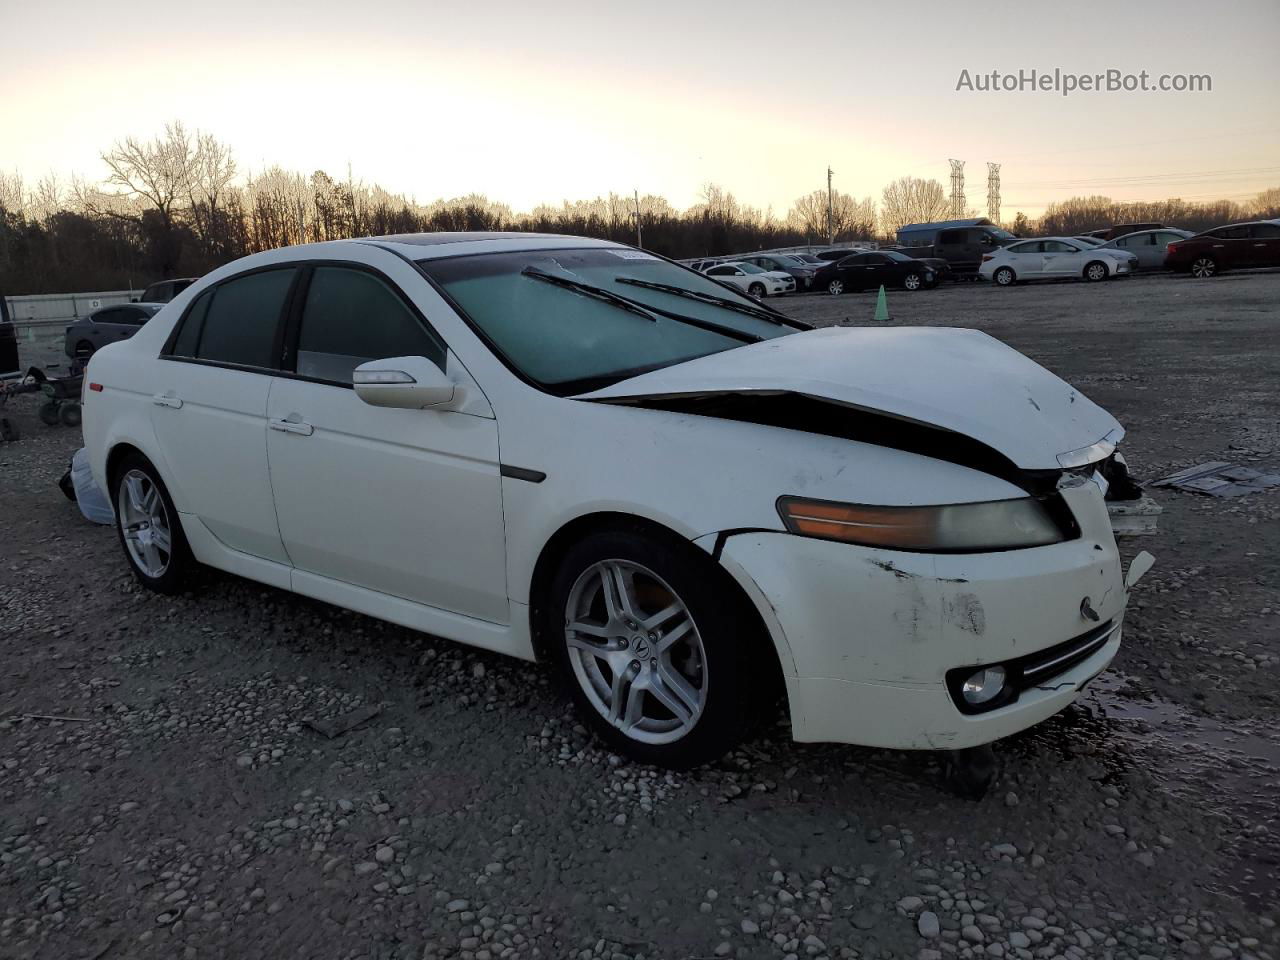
{"x": 1231, "y": 246}
{"x": 1026, "y": 258}
{"x": 1265, "y": 247}
{"x": 210, "y": 413}
{"x": 403, "y": 502}
{"x": 1058, "y": 259}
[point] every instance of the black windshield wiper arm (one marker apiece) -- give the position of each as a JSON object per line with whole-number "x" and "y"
{"x": 626, "y": 303}
{"x": 764, "y": 313}
{"x": 587, "y": 290}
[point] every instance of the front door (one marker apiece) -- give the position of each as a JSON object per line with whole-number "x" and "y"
{"x": 404, "y": 502}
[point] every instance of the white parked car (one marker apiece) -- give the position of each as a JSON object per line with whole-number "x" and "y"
{"x": 573, "y": 451}
{"x": 751, "y": 279}
{"x": 1050, "y": 258}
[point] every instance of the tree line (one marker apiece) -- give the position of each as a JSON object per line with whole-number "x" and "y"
{"x": 177, "y": 206}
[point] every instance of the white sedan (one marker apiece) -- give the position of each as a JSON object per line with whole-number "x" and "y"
{"x": 749, "y": 278}
{"x": 573, "y": 451}
{"x": 1053, "y": 258}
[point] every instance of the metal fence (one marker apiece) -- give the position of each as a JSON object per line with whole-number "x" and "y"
{"x": 50, "y": 308}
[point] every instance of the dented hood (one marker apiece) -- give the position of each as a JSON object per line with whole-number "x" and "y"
{"x": 958, "y": 380}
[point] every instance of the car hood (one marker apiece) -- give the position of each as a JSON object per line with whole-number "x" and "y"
{"x": 954, "y": 379}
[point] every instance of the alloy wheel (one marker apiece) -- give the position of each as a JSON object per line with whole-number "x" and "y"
{"x": 835, "y": 287}
{"x": 1096, "y": 271}
{"x": 912, "y": 281}
{"x": 1203, "y": 268}
{"x": 144, "y": 522}
{"x": 636, "y": 652}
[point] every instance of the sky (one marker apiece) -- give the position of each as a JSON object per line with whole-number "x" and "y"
{"x": 533, "y": 103}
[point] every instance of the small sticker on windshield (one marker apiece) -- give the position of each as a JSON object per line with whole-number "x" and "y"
{"x": 633, "y": 255}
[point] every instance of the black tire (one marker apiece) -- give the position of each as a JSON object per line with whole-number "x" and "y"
{"x": 181, "y": 562}
{"x": 836, "y": 287}
{"x": 1096, "y": 271}
{"x": 1004, "y": 277}
{"x": 48, "y": 413}
{"x": 757, "y": 290}
{"x": 1203, "y": 268}
{"x": 912, "y": 282}
{"x": 69, "y": 414}
{"x": 738, "y": 662}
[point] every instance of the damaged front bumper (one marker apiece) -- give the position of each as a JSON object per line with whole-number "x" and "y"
{"x": 869, "y": 639}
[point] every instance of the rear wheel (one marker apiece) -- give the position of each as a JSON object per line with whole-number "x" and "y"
{"x": 1096, "y": 270}
{"x": 835, "y": 287}
{"x": 1004, "y": 277}
{"x": 757, "y": 290}
{"x": 148, "y": 526}
{"x": 912, "y": 281}
{"x": 658, "y": 659}
{"x": 48, "y": 413}
{"x": 1204, "y": 267}
{"x": 69, "y": 414}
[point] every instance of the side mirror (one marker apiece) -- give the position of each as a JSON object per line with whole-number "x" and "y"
{"x": 409, "y": 383}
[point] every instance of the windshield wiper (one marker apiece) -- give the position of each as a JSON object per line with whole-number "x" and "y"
{"x": 587, "y": 290}
{"x": 763, "y": 313}
{"x": 635, "y": 306}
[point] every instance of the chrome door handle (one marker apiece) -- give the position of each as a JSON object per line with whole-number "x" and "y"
{"x": 292, "y": 426}
{"x": 162, "y": 400}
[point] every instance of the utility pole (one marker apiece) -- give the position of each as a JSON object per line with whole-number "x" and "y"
{"x": 957, "y": 189}
{"x": 993, "y": 192}
{"x": 639, "y": 241}
{"x": 831, "y": 235}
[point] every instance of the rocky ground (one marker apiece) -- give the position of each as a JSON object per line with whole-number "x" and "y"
{"x": 169, "y": 786}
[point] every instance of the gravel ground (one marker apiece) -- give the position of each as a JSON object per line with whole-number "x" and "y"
{"x": 165, "y": 791}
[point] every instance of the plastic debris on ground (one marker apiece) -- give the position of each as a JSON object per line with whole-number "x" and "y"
{"x": 1220, "y": 479}
{"x": 1134, "y": 518}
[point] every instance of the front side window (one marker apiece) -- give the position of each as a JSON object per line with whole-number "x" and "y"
{"x": 569, "y": 339}
{"x": 351, "y": 317}
{"x": 951, "y": 236}
{"x": 236, "y": 322}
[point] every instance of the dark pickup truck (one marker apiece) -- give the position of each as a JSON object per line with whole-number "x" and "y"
{"x": 961, "y": 243}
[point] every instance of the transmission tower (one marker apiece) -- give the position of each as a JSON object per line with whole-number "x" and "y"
{"x": 993, "y": 192}
{"x": 957, "y": 189}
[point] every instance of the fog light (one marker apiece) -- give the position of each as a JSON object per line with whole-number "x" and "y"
{"x": 983, "y": 686}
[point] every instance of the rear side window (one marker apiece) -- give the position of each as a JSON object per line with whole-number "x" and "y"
{"x": 237, "y": 321}
{"x": 951, "y": 236}
{"x": 351, "y": 317}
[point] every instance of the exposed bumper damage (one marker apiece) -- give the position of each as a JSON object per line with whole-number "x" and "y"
{"x": 866, "y": 636}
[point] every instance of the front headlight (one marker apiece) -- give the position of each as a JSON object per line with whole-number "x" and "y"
{"x": 946, "y": 528}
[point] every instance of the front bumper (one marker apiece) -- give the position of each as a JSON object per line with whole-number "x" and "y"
{"x": 866, "y": 636}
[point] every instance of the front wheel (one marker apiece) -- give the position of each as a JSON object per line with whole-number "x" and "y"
{"x": 1095, "y": 271}
{"x": 148, "y": 526}
{"x": 835, "y": 287}
{"x": 1204, "y": 267}
{"x": 912, "y": 281}
{"x": 658, "y": 658}
{"x": 757, "y": 290}
{"x": 1004, "y": 277}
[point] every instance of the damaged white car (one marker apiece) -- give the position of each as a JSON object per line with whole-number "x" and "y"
{"x": 574, "y": 451}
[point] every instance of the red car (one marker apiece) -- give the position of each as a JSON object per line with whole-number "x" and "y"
{"x": 1253, "y": 244}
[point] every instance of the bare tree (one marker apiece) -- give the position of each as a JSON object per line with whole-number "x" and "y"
{"x": 13, "y": 194}
{"x": 210, "y": 172}
{"x": 911, "y": 200}
{"x": 851, "y": 219}
{"x": 159, "y": 171}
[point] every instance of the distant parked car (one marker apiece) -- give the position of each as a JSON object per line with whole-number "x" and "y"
{"x": 1149, "y": 246}
{"x": 1120, "y": 229}
{"x": 89, "y": 334}
{"x": 831, "y": 256}
{"x": 1053, "y": 258}
{"x": 700, "y": 266}
{"x": 751, "y": 279}
{"x": 874, "y": 268}
{"x": 162, "y": 291}
{"x": 1253, "y": 244}
{"x": 1089, "y": 240}
{"x": 786, "y": 263}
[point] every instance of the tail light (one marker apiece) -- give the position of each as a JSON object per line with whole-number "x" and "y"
{"x": 1171, "y": 248}
{"x": 986, "y": 257}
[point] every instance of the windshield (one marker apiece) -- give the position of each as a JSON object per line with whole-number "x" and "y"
{"x": 569, "y": 341}
{"x": 1000, "y": 234}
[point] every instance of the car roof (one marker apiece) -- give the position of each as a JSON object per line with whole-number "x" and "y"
{"x": 420, "y": 246}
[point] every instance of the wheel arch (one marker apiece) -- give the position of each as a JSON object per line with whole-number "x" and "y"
{"x": 554, "y": 550}
{"x": 1108, "y": 267}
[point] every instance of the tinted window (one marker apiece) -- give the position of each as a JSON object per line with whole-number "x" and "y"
{"x": 1032, "y": 247}
{"x": 721, "y": 272}
{"x": 1231, "y": 233}
{"x": 108, "y": 315}
{"x": 1265, "y": 231}
{"x": 352, "y": 317}
{"x": 240, "y": 324}
{"x": 951, "y": 236}
{"x": 192, "y": 325}
{"x": 134, "y": 315}
{"x": 853, "y": 261}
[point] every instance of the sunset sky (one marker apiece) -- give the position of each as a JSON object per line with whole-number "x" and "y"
{"x": 539, "y": 102}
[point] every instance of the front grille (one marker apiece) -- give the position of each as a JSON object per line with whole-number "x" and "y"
{"x": 1033, "y": 670}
